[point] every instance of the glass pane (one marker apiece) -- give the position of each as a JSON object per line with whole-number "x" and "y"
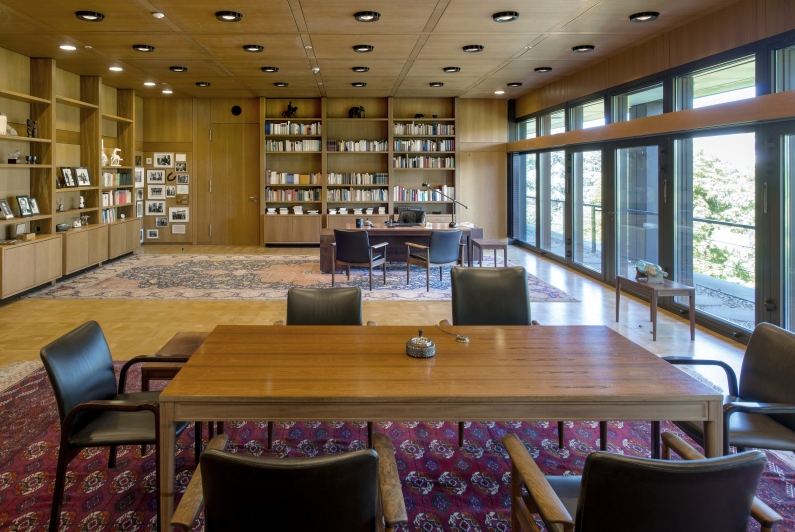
{"x": 587, "y": 179}
{"x": 789, "y": 231}
{"x": 587, "y": 115}
{"x": 552, "y": 211}
{"x": 727, "y": 82}
{"x": 637, "y": 208}
{"x": 530, "y": 215}
{"x": 784, "y": 69}
{"x": 639, "y": 103}
{"x": 553, "y": 123}
{"x": 527, "y": 129}
{"x": 715, "y": 236}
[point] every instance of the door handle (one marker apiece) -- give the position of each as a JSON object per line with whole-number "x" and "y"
{"x": 253, "y": 198}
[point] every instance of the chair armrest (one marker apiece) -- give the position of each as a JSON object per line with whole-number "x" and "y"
{"x": 445, "y": 323}
{"x": 761, "y": 512}
{"x": 192, "y": 501}
{"x": 146, "y": 358}
{"x": 377, "y": 246}
{"x": 544, "y": 497}
{"x": 109, "y": 405}
{"x": 280, "y": 322}
{"x": 419, "y": 246}
{"x": 371, "y": 323}
{"x": 389, "y": 482}
{"x": 749, "y": 407}
{"x": 731, "y": 376}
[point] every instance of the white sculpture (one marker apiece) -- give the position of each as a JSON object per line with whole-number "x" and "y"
{"x": 104, "y": 157}
{"x": 653, "y": 273}
{"x": 115, "y": 160}
{"x": 82, "y": 203}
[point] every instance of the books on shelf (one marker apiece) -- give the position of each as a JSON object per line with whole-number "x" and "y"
{"x": 116, "y": 179}
{"x": 376, "y": 178}
{"x": 117, "y": 197}
{"x": 109, "y": 215}
{"x": 423, "y": 162}
{"x": 424, "y": 145}
{"x": 293, "y": 145}
{"x": 291, "y": 194}
{"x": 284, "y": 178}
{"x": 298, "y": 210}
{"x": 424, "y": 129}
{"x": 407, "y": 194}
{"x": 291, "y": 128}
{"x": 357, "y": 194}
{"x": 357, "y": 145}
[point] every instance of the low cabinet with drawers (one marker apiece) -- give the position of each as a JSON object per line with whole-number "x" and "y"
{"x": 84, "y": 247}
{"x": 28, "y": 264}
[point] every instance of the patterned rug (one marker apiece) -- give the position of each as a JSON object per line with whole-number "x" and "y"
{"x": 243, "y": 277}
{"x": 445, "y": 488}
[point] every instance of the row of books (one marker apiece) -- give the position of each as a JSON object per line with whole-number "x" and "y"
{"x": 376, "y": 178}
{"x": 117, "y": 197}
{"x": 424, "y": 129}
{"x": 291, "y": 128}
{"x": 283, "y": 178}
{"x": 291, "y": 194}
{"x": 407, "y": 194}
{"x": 357, "y": 194}
{"x": 109, "y": 215}
{"x": 116, "y": 179}
{"x": 357, "y": 145}
{"x": 293, "y": 145}
{"x": 424, "y": 145}
{"x": 423, "y": 162}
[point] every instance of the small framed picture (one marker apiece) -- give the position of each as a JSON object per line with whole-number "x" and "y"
{"x": 139, "y": 209}
{"x": 34, "y": 207}
{"x": 178, "y": 229}
{"x": 138, "y": 160}
{"x": 164, "y": 160}
{"x": 178, "y": 214}
{"x": 23, "y": 202}
{"x": 183, "y": 189}
{"x": 156, "y": 177}
{"x": 182, "y": 199}
{"x": 161, "y": 222}
{"x": 139, "y": 194}
{"x": 152, "y": 234}
{"x": 138, "y": 177}
{"x": 157, "y": 192}
{"x": 183, "y": 179}
{"x": 148, "y": 161}
{"x": 5, "y": 209}
{"x": 171, "y": 192}
{"x": 181, "y": 167}
{"x": 155, "y": 208}
{"x": 82, "y": 176}
{"x": 68, "y": 177}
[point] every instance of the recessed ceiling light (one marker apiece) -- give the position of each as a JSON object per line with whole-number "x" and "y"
{"x": 143, "y": 48}
{"x": 167, "y": 91}
{"x": 436, "y": 84}
{"x": 359, "y": 84}
{"x": 90, "y": 16}
{"x": 270, "y": 69}
{"x": 543, "y": 69}
{"x": 253, "y": 48}
{"x": 178, "y": 69}
{"x": 203, "y": 84}
{"x": 470, "y": 48}
{"x": 361, "y": 69}
{"x": 505, "y": 16}
{"x": 281, "y": 84}
{"x": 116, "y": 69}
{"x": 150, "y": 83}
{"x": 499, "y": 92}
{"x": 583, "y": 48}
{"x": 363, "y": 48}
{"x": 451, "y": 70}
{"x": 68, "y": 47}
{"x": 515, "y": 84}
{"x": 646, "y": 16}
{"x": 229, "y": 16}
{"x": 158, "y": 14}
{"x": 367, "y": 16}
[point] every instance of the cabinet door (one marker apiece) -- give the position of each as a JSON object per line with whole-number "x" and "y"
{"x": 77, "y": 245}
{"x": 117, "y": 241}
{"x": 18, "y": 269}
{"x": 133, "y": 235}
{"x": 306, "y": 229}
{"x": 98, "y": 245}
{"x": 279, "y": 228}
{"x": 48, "y": 260}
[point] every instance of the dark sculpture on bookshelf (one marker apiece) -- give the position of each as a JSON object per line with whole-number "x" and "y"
{"x": 33, "y": 129}
{"x": 356, "y": 112}
{"x": 290, "y": 112}
{"x": 418, "y": 115}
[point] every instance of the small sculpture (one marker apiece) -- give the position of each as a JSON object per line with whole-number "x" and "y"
{"x": 104, "y": 157}
{"x": 115, "y": 160}
{"x": 435, "y": 116}
{"x": 356, "y": 112}
{"x": 290, "y": 112}
{"x": 651, "y": 272}
{"x": 82, "y": 203}
{"x": 77, "y": 224}
{"x": 33, "y": 129}
{"x": 83, "y": 219}
{"x": 13, "y": 156}
{"x": 60, "y": 208}
{"x": 418, "y": 115}
{"x": 5, "y": 129}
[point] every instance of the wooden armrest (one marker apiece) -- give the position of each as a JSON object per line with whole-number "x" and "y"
{"x": 420, "y": 246}
{"x": 371, "y": 324}
{"x": 280, "y": 322}
{"x": 146, "y": 358}
{"x": 193, "y": 501}
{"x": 389, "y": 481}
{"x": 377, "y": 246}
{"x": 445, "y": 323}
{"x": 761, "y": 512}
{"x": 542, "y": 494}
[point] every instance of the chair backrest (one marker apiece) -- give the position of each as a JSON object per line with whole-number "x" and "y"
{"x": 352, "y": 246}
{"x": 628, "y": 493}
{"x": 768, "y": 369}
{"x": 335, "y": 493}
{"x": 80, "y": 369}
{"x": 410, "y": 216}
{"x": 444, "y": 246}
{"x": 490, "y": 296}
{"x": 324, "y": 306}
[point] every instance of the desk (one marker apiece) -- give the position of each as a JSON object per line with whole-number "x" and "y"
{"x": 668, "y": 288}
{"x": 505, "y": 373}
{"x": 396, "y": 238}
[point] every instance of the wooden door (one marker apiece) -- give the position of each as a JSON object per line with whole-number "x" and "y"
{"x": 18, "y": 269}
{"x": 77, "y": 250}
{"x": 49, "y": 255}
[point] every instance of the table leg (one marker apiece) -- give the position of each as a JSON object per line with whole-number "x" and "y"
{"x": 495, "y": 257}
{"x": 653, "y": 305}
{"x": 166, "y": 471}
{"x": 469, "y": 250}
{"x": 505, "y": 257}
{"x": 713, "y": 430}
{"x": 692, "y": 315}
{"x": 618, "y": 298}
{"x": 480, "y": 256}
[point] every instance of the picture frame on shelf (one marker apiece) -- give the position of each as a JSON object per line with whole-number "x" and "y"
{"x": 183, "y": 179}
{"x": 34, "y": 207}
{"x": 182, "y": 199}
{"x": 155, "y": 208}
{"x": 68, "y": 177}
{"x": 157, "y": 192}
{"x": 155, "y": 177}
{"x": 23, "y": 203}
{"x": 164, "y": 160}
{"x": 161, "y": 222}
{"x": 178, "y": 214}
{"x": 181, "y": 167}
{"x": 152, "y": 234}
{"x": 82, "y": 176}
{"x": 139, "y": 209}
{"x": 138, "y": 177}
{"x": 183, "y": 189}
{"x": 5, "y": 210}
{"x": 171, "y": 191}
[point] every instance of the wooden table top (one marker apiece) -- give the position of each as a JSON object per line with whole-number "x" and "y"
{"x": 665, "y": 286}
{"x": 295, "y": 364}
{"x": 382, "y": 229}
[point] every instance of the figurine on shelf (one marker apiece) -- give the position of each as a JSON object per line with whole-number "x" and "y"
{"x": 115, "y": 160}
{"x": 3, "y": 123}
{"x": 104, "y": 157}
{"x": 418, "y": 115}
{"x": 83, "y": 219}
{"x": 290, "y": 112}
{"x": 60, "y": 208}
{"x": 33, "y": 129}
{"x": 82, "y": 203}
{"x": 356, "y": 112}
{"x": 77, "y": 224}
{"x": 13, "y": 156}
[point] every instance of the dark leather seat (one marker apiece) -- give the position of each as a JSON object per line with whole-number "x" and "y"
{"x": 444, "y": 249}
{"x": 497, "y": 296}
{"x": 352, "y": 248}
{"x": 93, "y": 411}
{"x": 411, "y": 216}
{"x": 324, "y": 306}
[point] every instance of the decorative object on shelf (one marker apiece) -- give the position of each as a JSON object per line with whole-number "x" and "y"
{"x": 68, "y": 177}
{"x": 169, "y": 178}
{"x": 650, "y": 273}
{"x": 171, "y": 192}
{"x": 420, "y": 347}
{"x": 356, "y": 112}
{"x": 30, "y": 159}
{"x": 435, "y": 116}
{"x": 5, "y": 209}
{"x": 60, "y": 228}
{"x": 161, "y": 222}
{"x": 157, "y": 192}
{"x": 60, "y": 207}
{"x": 178, "y": 214}
{"x": 419, "y": 115}
{"x": 183, "y": 179}
{"x": 10, "y": 131}
{"x": 23, "y": 202}
{"x": 13, "y": 156}
{"x": 115, "y": 158}
{"x": 84, "y": 219}
{"x": 76, "y": 224}
{"x": 83, "y": 176}
{"x": 122, "y": 216}
{"x": 34, "y": 207}
{"x": 82, "y": 204}
{"x": 138, "y": 176}
{"x": 290, "y": 112}
{"x": 183, "y": 189}
{"x": 152, "y": 234}
{"x": 33, "y": 129}
{"x": 155, "y": 208}
{"x": 181, "y": 167}
{"x": 156, "y": 177}
{"x": 164, "y": 160}
{"x": 104, "y": 157}
{"x": 3, "y": 124}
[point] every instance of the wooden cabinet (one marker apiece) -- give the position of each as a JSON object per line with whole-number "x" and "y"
{"x": 292, "y": 229}
{"x": 124, "y": 236}
{"x": 48, "y": 260}
{"x": 84, "y": 247}
{"x": 339, "y": 221}
{"x": 30, "y": 264}
{"x": 98, "y": 245}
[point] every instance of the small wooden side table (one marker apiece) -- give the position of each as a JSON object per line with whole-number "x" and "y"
{"x": 667, "y": 289}
{"x": 482, "y": 244}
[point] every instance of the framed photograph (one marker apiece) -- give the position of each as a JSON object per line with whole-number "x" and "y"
{"x": 139, "y": 194}
{"x": 178, "y": 230}
{"x": 138, "y": 177}
{"x": 34, "y": 207}
{"x": 152, "y": 234}
{"x": 23, "y": 202}
{"x": 164, "y": 160}
{"x": 5, "y": 209}
{"x": 68, "y": 177}
{"x": 161, "y": 222}
{"x": 138, "y": 161}
{"x": 183, "y": 189}
{"x": 155, "y": 208}
{"x": 156, "y": 177}
{"x": 183, "y": 179}
{"x": 148, "y": 161}
{"x": 171, "y": 192}
{"x": 139, "y": 209}
{"x": 157, "y": 192}
{"x": 82, "y": 176}
{"x": 182, "y": 199}
{"x": 181, "y": 167}
{"x": 178, "y": 214}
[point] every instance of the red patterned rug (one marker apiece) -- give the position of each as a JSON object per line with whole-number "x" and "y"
{"x": 445, "y": 488}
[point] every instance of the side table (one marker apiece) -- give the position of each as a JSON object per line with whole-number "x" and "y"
{"x": 482, "y": 244}
{"x": 667, "y": 289}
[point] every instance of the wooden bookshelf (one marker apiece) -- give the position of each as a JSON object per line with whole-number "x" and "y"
{"x": 72, "y": 102}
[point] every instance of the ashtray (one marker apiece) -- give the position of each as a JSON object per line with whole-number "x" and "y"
{"x": 62, "y": 227}
{"x": 420, "y": 347}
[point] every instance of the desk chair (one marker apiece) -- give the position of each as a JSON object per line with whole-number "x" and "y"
{"x": 352, "y": 248}
{"x": 444, "y": 249}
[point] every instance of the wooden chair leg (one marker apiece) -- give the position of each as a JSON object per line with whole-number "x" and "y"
{"x": 427, "y": 278}
{"x": 655, "y": 439}
{"x": 210, "y": 430}
{"x": 460, "y": 434}
{"x": 64, "y": 457}
{"x": 198, "y": 429}
{"x": 408, "y": 272}
{"x": 333, "y": 269}
{"x": 602, "y": 435}
{"x": 112, "y": 457}
{"x": 370, "y": 434}
{"x": 348, "y": 272}
{"x": 561, "y": 438}
{"x": 440, "y": 274}
{"x": 383, "y": 267}
{"x": 371, "y": 277}
{"x": 143, "y": 450}
{"x": 219, "y": 427}
{"x": 270, "y": 435}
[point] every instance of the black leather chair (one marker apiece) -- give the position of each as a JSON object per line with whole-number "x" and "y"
{"x": 352, "y": 492}
{"x": 617, "y": 492}
{"x": 352, "y": 248}
{"x": 760, "y": 412}
{"x": 497, "y": 296}
{"x": 444, "y": 249}
{"x": 411, "y": 216}
{"x": 93, "y": 411}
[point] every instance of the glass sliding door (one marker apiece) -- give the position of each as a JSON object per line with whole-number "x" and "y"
{"x": 531, "y": 197}
{"x": 788, "y": 170}
{"x": 552, "y": 202}
{"x": 587, "y": 209}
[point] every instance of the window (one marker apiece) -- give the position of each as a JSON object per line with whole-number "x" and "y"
{"x": 789, "y": 230}
{"x": 784, "y": 69}
{"x": 552, "y": 202}
{"x": 727, "y": 82}
{"x": 553, "y": 123}
{"x": 527, "y": 129}
{"x": 587, "y": 115}
{"x": 587, "y": 211}
{"x": 639, "y": 103}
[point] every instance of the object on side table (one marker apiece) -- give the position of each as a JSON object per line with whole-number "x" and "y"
{"x": 76, "y": 224}
{"x": 651, "y": 273}
{"x": 420, "y": 347}
{"x": 356, "y": 112}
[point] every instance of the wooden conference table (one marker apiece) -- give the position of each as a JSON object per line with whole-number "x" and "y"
{"x": 396, "y": 238}
{"x": 297, "y": 373}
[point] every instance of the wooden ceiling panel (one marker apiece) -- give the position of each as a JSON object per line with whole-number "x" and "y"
{"x": 559, "y": 45}
{"x": 344, "y": 81}
{"x": 417, "y": 83}
{"x": 341, "y": 46}
{"x": 444, "y": 92}
{"x": 535, "y": 16}
{"x": 296, "y": 81}
{"x": 197, "y": 92}
{"x": 120, "y": 45}
{"x": 358, "y": 93}
{"x": 406, "y": 16}
{"x": 303, "y": 92}
{"x": 120, "y": 15}
{"x": 613, "y": 17}
{"x": 470, "y": 66}
{"x": 12, "y": 22}
{"x": 496, "y": 45}
{"x": 259, "y": 16}
{"x": 160, "y": 67}
{"x": 520, "y": 69}
{"x": 252, "y": 68}
{"x": 378, "y": 67}
{"x": 231, "y": 46}
{"x": 491, "y": 96}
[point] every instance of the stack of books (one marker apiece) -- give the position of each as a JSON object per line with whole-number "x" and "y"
{"x": 116, "y": 179}
{"x": 298, "y": 210}
{"x": 381, "y": 210}
{"x": 283, "y": 210}
{"x": 292, "y": 145}
{"x": 376, "y": 178}
{"x": 424, "y": 145}
{"x": 404, "y": 194}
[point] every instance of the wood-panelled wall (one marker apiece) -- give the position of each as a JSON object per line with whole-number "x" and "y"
{"x": 737, "y": 24}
